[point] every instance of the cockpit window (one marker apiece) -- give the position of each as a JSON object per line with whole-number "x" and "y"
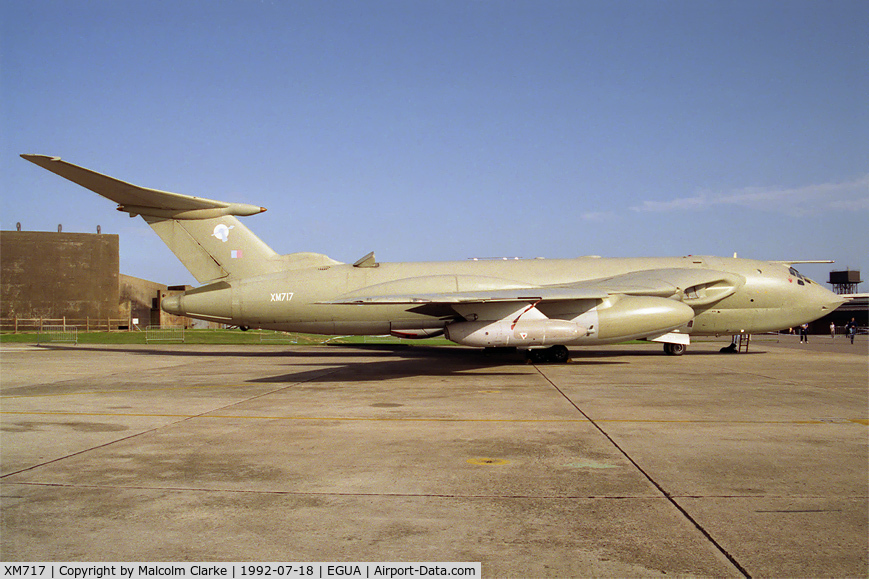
{"x": 801, "y": 279}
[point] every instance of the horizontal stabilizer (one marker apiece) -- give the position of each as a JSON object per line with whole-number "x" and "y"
{"x": 137, "y": 200}
{"x": 204, "y": 234}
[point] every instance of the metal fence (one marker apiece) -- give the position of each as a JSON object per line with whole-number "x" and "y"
{"x": 274, "y": 337}
{"x": 57, "y": 335}
{"x": 164, "y": 334}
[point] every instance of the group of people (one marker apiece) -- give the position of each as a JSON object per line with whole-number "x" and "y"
{"x": 850, "y": 331}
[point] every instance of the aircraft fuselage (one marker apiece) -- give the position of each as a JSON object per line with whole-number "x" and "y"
{"x": 530, "y": 303}
{"x": 772, "y": 296}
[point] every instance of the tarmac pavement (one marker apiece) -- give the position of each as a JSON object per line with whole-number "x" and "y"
{"x": 624, "y": 462}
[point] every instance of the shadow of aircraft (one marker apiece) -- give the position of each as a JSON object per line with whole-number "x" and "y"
{"x": 353, "y": 363}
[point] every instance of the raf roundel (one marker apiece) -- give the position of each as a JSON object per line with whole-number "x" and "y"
{"x": 221, "y": 232}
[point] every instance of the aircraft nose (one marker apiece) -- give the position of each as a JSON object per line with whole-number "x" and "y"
{"x": 828, "y": 301}
{"x": 837, "y": 301}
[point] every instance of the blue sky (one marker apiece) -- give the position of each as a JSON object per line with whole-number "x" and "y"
{"x": 437, "y": 130}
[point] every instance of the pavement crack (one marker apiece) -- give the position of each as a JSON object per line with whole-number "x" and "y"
{"x": 651, "y": 480}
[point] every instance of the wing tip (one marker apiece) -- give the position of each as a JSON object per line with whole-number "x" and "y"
{"x": 36, "y": 158}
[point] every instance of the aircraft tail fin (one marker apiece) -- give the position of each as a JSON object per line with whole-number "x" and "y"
{"x": 217, "y": 248}
{"x": 203, "y": 233}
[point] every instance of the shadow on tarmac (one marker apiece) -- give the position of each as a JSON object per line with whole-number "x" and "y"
{"x": 385, "y": 351}
{"x": 390, "y": 360}
{"x": 343, "y": 363}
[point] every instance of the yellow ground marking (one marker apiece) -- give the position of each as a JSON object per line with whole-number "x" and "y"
{"x": 206, "y": 414}
{"x": 323, "y": 418}
{"x": 482, "y": 461}
{"x": 97, "y": 392}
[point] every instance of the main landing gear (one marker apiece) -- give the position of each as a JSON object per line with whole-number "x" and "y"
{"x": 552, "y": 355}
{"x": 674, "y": 349}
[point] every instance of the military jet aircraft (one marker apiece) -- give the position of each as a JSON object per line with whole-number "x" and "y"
{"x": 540, "y": 305}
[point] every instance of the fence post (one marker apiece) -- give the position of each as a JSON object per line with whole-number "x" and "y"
{"x": 16, "y": 323}
{"x": 88, "y": 326}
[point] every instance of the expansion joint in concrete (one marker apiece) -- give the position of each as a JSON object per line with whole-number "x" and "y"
{"x": 652, "y": 481}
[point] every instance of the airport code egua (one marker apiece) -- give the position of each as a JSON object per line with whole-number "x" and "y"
{"x": 367, "y": 570}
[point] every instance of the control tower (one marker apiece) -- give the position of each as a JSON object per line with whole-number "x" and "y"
{"x": 845, "y": 282}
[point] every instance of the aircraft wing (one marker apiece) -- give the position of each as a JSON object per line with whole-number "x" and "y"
{"x": 531, "y": 294}
{"x": 666, "y": 283}
{"x": 141, "y": 200}
{"x": 795, "y": 261}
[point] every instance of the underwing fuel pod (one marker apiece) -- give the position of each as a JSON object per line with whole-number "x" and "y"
{"x": 542, "y": 305}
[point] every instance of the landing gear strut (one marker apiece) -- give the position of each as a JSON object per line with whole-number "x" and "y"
{"x": 554, "y": 355}
{"x": 674, "y": 349}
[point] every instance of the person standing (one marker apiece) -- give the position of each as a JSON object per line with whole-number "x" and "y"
{"x": 832, "y": 330}
{"x": 804, "y": 333}
{"x": 851, "y": 329}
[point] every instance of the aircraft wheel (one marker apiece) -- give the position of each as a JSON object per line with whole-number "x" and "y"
{"x": 558, "y": 354}
{"x": 537, "y": 356}
{"x": 552, "y": 355}
{"x": 674, "y": 349}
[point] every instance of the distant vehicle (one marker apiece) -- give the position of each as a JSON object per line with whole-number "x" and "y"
{"x": 541, "y": 305}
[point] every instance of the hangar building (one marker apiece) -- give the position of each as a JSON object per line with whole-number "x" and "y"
{"x": 74, "y": 277}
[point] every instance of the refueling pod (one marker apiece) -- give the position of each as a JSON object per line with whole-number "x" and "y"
{"x": 615, "y": 318}
{"x": 524, "y": 333}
